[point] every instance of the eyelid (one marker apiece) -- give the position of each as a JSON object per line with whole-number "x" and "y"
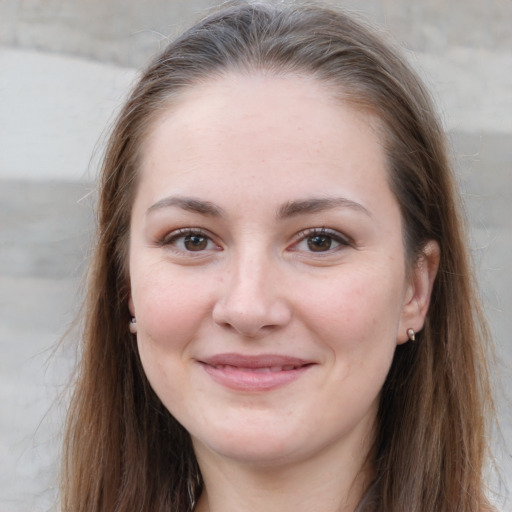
{"x": 337, "y": 236}
{"x": 171, "y": 237}
{"x": 177, "y": 233}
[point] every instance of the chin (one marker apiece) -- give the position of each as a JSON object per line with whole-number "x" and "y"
{"x": 262, "y": 452}
{"x": 262, "y": 445}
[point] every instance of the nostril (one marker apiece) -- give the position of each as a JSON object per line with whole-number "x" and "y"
{"x": 252, "y": 320}
{"x": 250, "y": 302}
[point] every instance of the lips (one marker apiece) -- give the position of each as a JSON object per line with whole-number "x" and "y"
{"x": 265, "y": 369}
{"x": 254, "y": 373}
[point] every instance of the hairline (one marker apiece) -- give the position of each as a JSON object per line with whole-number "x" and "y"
{"x": 355, "y": 99}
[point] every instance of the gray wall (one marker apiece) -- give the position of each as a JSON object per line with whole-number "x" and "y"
{"x": 65, "y": 67}
{"x": 127, "y": 31}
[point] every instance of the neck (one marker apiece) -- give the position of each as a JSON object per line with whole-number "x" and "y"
{"x": 329, "y": 482}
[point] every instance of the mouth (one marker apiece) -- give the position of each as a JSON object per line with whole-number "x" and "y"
{"x": 254, "y": 373}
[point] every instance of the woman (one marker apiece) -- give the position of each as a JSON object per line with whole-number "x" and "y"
{"x": 281, "y": 314}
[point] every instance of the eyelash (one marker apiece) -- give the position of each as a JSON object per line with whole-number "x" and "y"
{"x": 309, "y": 233}
{"x": 330, "y": 234}
{"x": 171, "y": 238}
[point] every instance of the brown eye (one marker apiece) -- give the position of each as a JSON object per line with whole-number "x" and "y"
{"x": 195, "y": 242}
{"x": 319, "y": 243}
{"x": 189, "y": 240}
{"x": 320, "y": 240}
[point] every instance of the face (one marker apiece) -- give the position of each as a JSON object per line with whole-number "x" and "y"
{"x": 267, "y": 268}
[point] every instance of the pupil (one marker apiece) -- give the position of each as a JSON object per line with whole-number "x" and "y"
{"x": 195, "y": 242}
{"x": 319, "y": 243}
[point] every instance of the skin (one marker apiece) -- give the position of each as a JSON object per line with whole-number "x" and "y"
{"x": 253, "y": 152}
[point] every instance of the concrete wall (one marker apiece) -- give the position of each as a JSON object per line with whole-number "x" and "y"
{"x": 128, "y": 31}
{"x": 65, "y": 67}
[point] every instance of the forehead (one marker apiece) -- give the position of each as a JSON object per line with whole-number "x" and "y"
{"x": 268, "y": 132}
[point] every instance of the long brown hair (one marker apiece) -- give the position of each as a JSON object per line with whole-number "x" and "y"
{"x": 123, "y": 450}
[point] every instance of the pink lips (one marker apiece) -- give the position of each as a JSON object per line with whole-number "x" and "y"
{"x": 254, "y": 373}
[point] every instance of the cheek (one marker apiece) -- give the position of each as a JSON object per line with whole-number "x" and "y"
{"x": 169, "y": 307}
{"x": 357, "y": 320}
{"x": 359, "y": 307}
{"x": 169, "y": 311}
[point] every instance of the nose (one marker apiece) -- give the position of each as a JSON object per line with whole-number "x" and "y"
{"x": 252, "y": 301}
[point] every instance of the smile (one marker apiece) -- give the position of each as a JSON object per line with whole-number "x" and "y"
{"x": 254, "y": 373}
{"x": 265, "y": 369}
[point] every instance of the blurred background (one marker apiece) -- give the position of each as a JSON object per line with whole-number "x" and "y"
{"x": 65, "y": 67}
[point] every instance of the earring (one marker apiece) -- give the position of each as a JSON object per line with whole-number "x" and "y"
{"x": 133, "y": 325}
{"x": 411, "y": 334}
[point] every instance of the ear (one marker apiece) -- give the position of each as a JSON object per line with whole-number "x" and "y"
{"x": 418, "y": 291}
{"x": 131, "y": 306}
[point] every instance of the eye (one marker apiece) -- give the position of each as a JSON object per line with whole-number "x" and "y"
{"x": 320, "y": 240}
{"x": 190, "y": 240}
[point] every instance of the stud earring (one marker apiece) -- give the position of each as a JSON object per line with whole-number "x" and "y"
{"x": 411, "y": 334}
{"x": 133, "y": 325}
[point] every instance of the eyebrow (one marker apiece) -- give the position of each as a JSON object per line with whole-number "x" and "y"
{"x": 314, "y": 205}
{"x": 188, "y": 203}
{"x": 289, "y": 209}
